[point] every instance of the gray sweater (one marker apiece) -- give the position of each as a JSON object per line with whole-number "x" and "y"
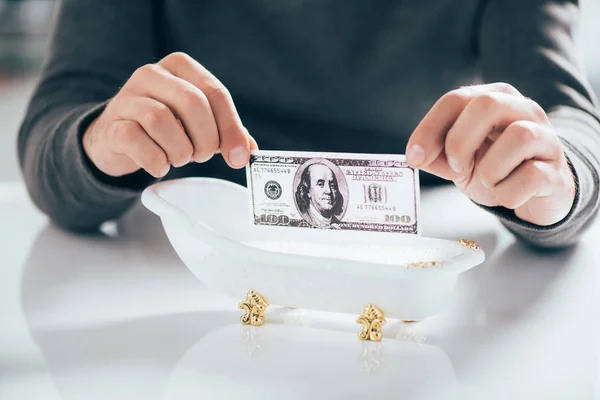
{"x": 315, "y": 75}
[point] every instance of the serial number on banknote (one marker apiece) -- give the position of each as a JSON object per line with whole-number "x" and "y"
{"x": 363, "y": 192}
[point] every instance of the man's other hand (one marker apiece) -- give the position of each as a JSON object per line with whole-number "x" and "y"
{"x": 167, "y": 114}
{"x": 499, "y": 148}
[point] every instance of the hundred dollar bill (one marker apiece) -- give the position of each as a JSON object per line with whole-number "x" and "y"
{"x": 362, "y": 192}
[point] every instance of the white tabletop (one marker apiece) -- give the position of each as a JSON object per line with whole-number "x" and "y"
{"x": 118, "y": 316}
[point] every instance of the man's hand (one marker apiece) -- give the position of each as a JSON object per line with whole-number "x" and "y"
{"x": 169, "y": 113}
{"x": 499, "y": 148}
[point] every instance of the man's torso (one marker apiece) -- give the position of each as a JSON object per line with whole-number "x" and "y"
{"x": 346, "y": 75}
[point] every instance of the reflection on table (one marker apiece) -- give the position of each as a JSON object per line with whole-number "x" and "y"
{"x": 117, "y": 315}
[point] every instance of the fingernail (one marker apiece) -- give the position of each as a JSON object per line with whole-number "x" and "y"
{"x": 165, "y": 171}
{"x": 455, "y": 165}
{"x": 415, "y": 155}
{"x": 239, "y": 156}
{"x": 204, "y": 159}
{"x": 181, "y": 164}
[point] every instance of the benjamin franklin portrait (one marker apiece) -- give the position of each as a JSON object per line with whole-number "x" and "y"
{"x": 318, "y": 196}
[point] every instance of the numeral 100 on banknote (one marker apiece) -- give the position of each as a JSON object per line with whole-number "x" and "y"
{"x": 361, "y": 192}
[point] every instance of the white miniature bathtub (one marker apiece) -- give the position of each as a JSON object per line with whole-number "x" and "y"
{"x": 208, "y": 224}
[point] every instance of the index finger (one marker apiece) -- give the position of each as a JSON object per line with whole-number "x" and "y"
{"x": 235, "y": 143}
{"x": 428, "y": 139}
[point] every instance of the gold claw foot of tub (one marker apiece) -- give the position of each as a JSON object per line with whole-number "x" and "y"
{"x": 372, "y": 320}
{"x": 254, "y": 308}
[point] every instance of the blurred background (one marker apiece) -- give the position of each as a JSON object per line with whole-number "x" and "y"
{"x": 24, "y": 28}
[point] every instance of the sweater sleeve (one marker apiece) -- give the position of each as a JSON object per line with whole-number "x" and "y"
{"x": 530, "y": 44}
{"x": 93, "y": 49}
